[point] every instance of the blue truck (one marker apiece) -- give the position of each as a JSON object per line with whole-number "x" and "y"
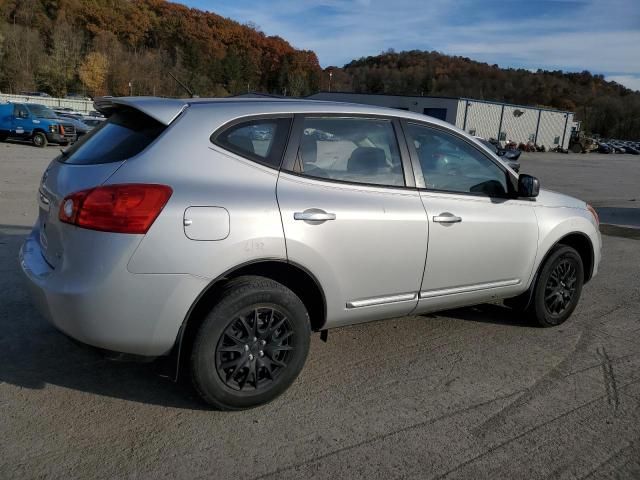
{"x": 35, "y": 123}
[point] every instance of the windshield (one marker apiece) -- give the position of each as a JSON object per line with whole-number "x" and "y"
{"x": 41, "y": 111}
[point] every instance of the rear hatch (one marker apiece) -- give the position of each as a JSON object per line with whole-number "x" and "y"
{"x": 87, "y": 164}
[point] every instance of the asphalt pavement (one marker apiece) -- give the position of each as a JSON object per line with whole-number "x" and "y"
{"x": 470, "y": 393}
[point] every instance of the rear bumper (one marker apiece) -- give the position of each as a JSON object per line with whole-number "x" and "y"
{"x": 110, "y": 308}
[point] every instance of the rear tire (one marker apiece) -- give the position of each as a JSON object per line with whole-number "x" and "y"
{"x": 558, "y": 287}
{"x": 251, "y": 346}
{"x": 39, "y": 139}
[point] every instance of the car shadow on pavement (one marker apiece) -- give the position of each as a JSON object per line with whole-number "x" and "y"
{"x": 489, "y": 313}
{"x": 34, "y": 355}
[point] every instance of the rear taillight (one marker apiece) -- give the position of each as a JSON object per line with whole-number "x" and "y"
{"x": 125, "y": 208}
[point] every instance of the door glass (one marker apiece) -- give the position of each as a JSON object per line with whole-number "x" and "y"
{"x": 19, "y": 111}
{"x": 451, "y": 164}
{"x": 359, "y": 150}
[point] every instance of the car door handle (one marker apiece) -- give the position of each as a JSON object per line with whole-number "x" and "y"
{"x": 447, "y": 217}
{"x": 314, "y": 215}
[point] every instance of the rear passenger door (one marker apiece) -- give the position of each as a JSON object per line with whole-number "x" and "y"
{"x": 352, "y": 215}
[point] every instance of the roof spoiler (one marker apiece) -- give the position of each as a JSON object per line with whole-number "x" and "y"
{"x": 104, "y": 105}
{"x": 164, "y": 110}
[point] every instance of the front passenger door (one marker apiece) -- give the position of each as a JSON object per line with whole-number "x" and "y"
{"x": 20, "y": 122}
{"x": 482, "y": 241}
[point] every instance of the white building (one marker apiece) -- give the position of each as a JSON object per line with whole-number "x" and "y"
{"x": 483, "y": 118}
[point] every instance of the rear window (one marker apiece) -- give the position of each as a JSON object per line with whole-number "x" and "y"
{"x": 123, "y": 135}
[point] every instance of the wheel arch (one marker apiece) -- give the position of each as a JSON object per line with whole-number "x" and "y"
{"x": 294, "y": 276}
{"x": 581, "y": 243}
{"x": 577, "y": 240}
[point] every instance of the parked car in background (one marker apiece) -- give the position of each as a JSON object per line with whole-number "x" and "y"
{"x": 36, "y": 123}
{"x": 617, "y": 148}
{"x": 81, "y": 127}
{"x": 77, "y": 96}
{"x": 35, "y": 94}
{"x": 93, "y": 121}
{"x": 604, "y": 147}
{"x": 165, "y": 232}
{"x": 67, "y": 111}
{"x": 510, "y": 156}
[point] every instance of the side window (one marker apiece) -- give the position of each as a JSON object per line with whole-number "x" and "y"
{"x": 359, "y": 150}
{"x": 20, "y": 111}
{"x": 262, "y": 140}
{"x": 451, "y": 164}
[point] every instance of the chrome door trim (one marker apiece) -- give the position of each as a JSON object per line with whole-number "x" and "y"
{"x": 369, "y": 302}
{"x": 469, "y": 288}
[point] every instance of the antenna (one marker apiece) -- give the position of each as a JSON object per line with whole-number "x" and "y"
{"x": 183, "y": 86}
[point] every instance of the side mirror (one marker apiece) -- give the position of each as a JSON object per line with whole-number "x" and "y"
{"x": 528, "y": 186}
{"x": 501, "y": 153}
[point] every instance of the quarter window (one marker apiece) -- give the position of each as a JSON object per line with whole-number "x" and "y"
{"x": 260, "y": 140}
{"x": 450, "y": 164}
{"x": 359, "y": 150}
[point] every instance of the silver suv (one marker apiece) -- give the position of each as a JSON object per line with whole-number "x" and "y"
{"x": 220, "y": 233}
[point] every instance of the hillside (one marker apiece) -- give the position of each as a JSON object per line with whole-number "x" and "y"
{"x": 604, "y": 107}
{"x": 99, "y": 46}
{"x": 118, "y": 47}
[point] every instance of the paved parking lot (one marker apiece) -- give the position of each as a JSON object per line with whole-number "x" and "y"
{"x": 471, "y": 393}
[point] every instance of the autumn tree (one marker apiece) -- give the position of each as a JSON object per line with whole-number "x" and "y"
{"x": 93, "y": 73}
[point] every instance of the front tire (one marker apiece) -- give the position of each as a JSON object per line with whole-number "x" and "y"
{"x": 558, "y": 287}
{"x": 39, "y": 139}
{"x": 251, "y": 346}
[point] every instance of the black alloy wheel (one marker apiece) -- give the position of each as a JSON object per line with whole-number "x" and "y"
{"x": 255, "y": 348}
{"x": 558, "y": 287}
{"x": 561, "y": 287}
{"x": 252, "y": 344}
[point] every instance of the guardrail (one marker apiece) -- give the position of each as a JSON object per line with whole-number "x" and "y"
{"x": 83, "y": 106}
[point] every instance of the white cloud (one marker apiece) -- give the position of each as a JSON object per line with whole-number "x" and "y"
{"x": 597, "y": 35}
{"x": 629, "y": 81}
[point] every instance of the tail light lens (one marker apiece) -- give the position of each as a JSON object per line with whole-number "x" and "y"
{"x": 125, "y": 208}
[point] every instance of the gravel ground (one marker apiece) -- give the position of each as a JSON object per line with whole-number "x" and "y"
{"x": 470, "y": 393}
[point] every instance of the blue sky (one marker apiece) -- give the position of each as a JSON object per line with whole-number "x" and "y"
{"x": 602, "y": 36}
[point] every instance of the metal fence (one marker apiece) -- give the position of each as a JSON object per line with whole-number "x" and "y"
{"x": 76, "y": 104}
